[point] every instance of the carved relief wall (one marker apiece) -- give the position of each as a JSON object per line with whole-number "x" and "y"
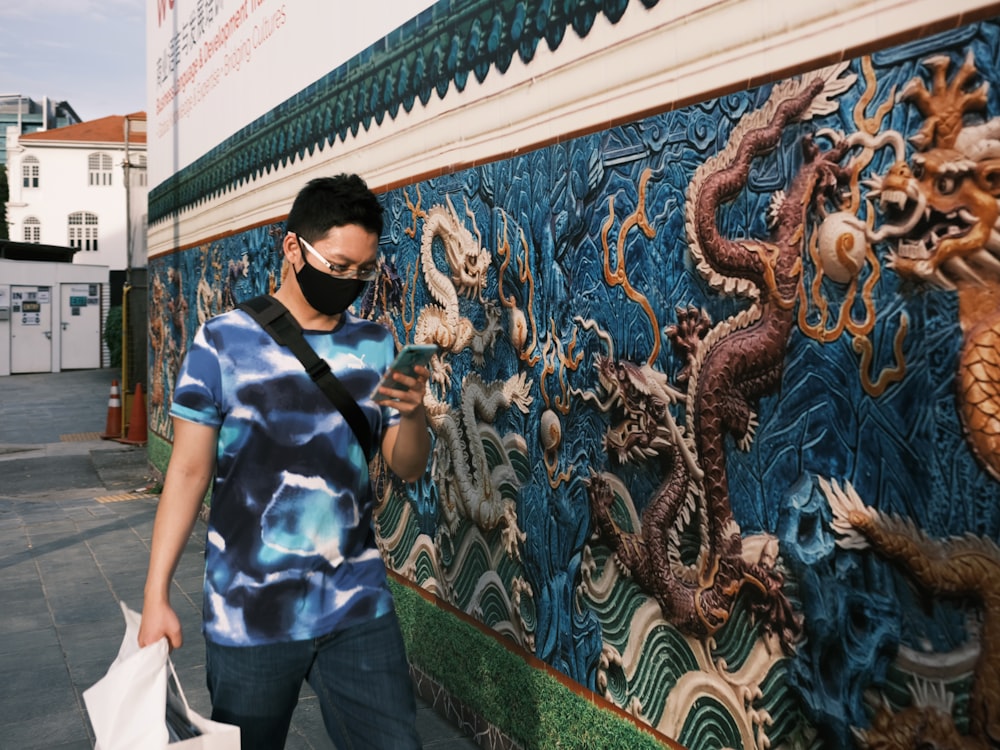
{"x": 717, "y": 416}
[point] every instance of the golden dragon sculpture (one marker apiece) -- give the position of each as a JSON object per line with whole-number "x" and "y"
{"x": 943, "y": 211}
{"x": 963, "y": 568}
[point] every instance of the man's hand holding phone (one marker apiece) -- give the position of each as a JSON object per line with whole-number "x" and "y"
{"x": 402, "y": 386}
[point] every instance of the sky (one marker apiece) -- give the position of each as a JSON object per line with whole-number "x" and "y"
{"x": 89, "y": 53}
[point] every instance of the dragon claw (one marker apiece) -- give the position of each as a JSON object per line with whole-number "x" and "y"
{"x": 849, "y": 512}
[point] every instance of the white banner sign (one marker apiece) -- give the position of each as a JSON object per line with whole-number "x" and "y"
{"x": 214, "y": 66}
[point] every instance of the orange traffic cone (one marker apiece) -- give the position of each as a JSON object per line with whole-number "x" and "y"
{"x": 137, "y": 423}
{"x": 113, "y": 428}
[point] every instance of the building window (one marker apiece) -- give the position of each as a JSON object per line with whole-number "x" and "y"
{"x": 30, "y": 171}
{"x": 83, "y": 231}
{"x": 99, "y": 166}
{"x": 142, "y": 171}
{"x": 32, "y": 230}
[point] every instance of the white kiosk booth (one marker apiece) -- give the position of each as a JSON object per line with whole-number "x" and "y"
{"x": 51, "y": 316}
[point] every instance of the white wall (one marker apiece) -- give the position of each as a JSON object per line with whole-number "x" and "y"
{"x": 214, "y": 67}
{"x": 64, "y": 189}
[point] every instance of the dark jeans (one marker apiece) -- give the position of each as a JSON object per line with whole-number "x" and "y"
{"x": 360, "y": 676}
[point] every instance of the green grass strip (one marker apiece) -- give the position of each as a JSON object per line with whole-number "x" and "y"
{"x": 529, "y": 705}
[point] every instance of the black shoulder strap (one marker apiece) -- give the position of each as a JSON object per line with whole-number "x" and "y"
{"x": 274, "y": 318}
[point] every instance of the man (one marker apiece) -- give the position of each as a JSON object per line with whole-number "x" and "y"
{"x": 294, "y": 585}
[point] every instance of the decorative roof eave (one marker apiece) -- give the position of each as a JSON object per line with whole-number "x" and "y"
{"x": 428, "y": 55}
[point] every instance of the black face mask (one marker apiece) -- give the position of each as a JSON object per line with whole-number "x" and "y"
{"x": 327, "y": 294}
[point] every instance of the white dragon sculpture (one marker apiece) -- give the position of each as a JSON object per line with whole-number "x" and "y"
{"x": 468, "y": 263}
{"x": 469, "y": 487}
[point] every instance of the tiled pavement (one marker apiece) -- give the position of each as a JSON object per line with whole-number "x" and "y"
{"x": 76, "y": 518}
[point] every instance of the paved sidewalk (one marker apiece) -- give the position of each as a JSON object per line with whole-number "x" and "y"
{"x": 76, "y": 516}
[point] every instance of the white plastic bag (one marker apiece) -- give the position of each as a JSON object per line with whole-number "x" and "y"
{"x": 128, "y": 705}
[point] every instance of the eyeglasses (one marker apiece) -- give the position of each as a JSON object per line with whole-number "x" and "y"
{"x": 368, "y": 273}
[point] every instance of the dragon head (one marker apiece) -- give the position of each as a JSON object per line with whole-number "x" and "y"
{"x": 471, "y": 276}
{"x": 944, "y": 209}
{"x": 640, "y": 397}
{"x": 942, "y": 206}
{"x": 468, "y": 260}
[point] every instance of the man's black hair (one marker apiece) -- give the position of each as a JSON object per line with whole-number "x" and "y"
{"x": 327, "y": 202}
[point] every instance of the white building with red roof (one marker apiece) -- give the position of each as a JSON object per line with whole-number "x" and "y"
{"x": 82, "y": 186}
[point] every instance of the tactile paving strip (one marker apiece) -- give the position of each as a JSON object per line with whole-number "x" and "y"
{"x": 79, "y": 437}
{"x": 121, "y": 497}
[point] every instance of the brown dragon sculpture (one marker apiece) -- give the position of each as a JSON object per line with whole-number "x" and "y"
{"x": 730, "y": 367}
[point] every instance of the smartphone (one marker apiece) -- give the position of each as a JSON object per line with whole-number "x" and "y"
{"x": 409, "y": 357}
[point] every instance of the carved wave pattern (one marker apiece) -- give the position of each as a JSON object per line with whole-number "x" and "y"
{"x": 470, "y": 570}
{"x": 716, "y": 697}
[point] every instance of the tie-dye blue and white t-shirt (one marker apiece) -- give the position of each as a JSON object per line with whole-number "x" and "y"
{"x": 290, "y": 552}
